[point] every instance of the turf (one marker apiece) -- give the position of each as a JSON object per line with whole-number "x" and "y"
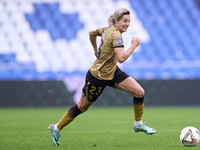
{"x": 107, "y": 128}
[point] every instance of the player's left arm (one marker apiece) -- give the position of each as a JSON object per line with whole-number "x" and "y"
{"x": 123, "y": 55}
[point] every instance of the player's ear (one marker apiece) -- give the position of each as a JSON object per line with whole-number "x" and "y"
{"x": 116, "y": 20}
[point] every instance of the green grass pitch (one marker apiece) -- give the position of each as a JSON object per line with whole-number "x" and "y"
{"x": 100, "y": 128}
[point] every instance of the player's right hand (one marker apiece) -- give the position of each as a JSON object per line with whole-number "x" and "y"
{"x": 96, "y": 53}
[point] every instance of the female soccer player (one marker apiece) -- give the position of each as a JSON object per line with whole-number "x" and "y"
{"x": 105, "y": 72}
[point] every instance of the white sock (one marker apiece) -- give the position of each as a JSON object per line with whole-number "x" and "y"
{"x": 56, "y": 128}
{"x": 138, "y": 123}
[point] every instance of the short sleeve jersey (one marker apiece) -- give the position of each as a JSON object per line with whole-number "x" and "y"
{"x": 105, "y": 65}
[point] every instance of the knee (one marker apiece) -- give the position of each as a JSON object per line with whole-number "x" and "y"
{"x": 140, "y": 93}
{"x": 83, "y": 104}
{"x": 83, "y": 109}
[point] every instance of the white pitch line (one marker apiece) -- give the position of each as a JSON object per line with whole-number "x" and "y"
{"x": 93, "y": 131}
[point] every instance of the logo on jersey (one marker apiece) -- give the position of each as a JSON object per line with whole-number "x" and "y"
{"x": 119, "y": 41}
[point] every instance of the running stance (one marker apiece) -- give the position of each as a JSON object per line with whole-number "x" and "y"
{"x": 105, "y": 72}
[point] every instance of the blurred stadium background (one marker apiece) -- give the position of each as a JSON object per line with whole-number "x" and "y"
{"x": 45, "y": 51}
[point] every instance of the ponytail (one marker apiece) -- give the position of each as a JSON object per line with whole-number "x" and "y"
{"x": 111, "y": 20}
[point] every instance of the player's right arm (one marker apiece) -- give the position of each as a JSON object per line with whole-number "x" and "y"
{"x": 93, "y": 39}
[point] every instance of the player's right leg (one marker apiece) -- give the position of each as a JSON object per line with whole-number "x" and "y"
{"x": 91, "y": 91}
{"x": 67, "y": 118}
{"x": 73, "y": 112}
{"x": 55, "y": 135}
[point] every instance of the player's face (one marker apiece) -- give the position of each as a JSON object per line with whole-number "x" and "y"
{"x": 123, "y": 24}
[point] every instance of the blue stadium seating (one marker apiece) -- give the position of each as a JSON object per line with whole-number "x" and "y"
{"x": 173, "y": 27}
{"x": 47, "y": 16}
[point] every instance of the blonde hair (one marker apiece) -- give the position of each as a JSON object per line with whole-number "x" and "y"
{"x": 117, "y": 15}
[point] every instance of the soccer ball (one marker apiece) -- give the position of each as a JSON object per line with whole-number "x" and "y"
{"x": 190, "y": 136}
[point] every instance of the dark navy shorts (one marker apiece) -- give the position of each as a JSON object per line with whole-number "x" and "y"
{"x": 94, "y": 87}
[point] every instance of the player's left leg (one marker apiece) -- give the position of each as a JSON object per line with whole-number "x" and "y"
{"x": 131, "y": 86}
